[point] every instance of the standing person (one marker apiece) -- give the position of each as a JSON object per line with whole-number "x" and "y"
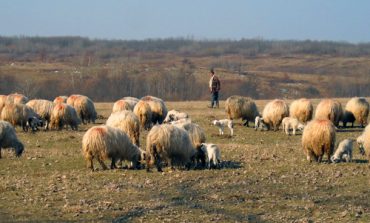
{"x": 214, "y": 87}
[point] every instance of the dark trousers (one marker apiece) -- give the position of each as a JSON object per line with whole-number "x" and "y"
{"x": 214, "y": 99}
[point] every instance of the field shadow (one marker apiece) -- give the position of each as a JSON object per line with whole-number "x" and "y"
{"x": 350, "y": 130}
{"x": 359, "y": 161}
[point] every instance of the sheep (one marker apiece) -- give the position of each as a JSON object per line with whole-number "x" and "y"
{"x": 213, "y": 155}
{"x": 71, "y": 99}
{"x": 169, "y": 143}
{"x": 301, "y": 109}
{"x": 241, "y": 107}
{"x": 221, "y": 125}
{"x": 356, "y": 109}
{"x": 131, "y": 100}
{"x": 364, "y": 142}
{"x": 60, "y": 99}
{"x": 143, "y": 111}
{"x": 291, "y": 123}
{"x": 85, "y": 109}
{"x": 103, "y": 142}
{"x": 62, "y": 115}
{"x": 329, "y": 109}
{"x": 22, "y": 115}
{"x": 2, "y": 101}
{"x": 127, "y": 122}
{"x": 318, "y": 138}
{"x": 274, "y": 112}
{"x": 174, "y": 115}
{"x": 8, "y": 139}
{"x": 181, "y": 121}
{"x": 43, "y": 109}
{"x": 16, "y": 99}
{"x": 343, "y": 151}
{"x": 159, "y": 109}
{"x": 259, "y": 123}
{"x": 122, "y": 105}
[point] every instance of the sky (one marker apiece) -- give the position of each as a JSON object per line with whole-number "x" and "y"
{"x": 335, "y": 20}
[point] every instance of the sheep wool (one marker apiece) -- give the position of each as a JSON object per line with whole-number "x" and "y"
{"x": 158, "y": 107}
{"x": 144, "y": 113}
{"x": 241, "y": 107}
{"x": 274, "y": 112}
{"x": 62, "y": 115}
{"x": 356, "y": 109}
{"x": 85, "y": 109}
{"x": 60, "y": 99}
{"x": 329, "y": 109}
{"x": 8, "y": 138}
{"x": 127, "y": 122}
{"x": 301, "y": 109}
{"x": 20, "y": 114}
{"x": 16, "y": 99}
{"x": 43, "y": 109}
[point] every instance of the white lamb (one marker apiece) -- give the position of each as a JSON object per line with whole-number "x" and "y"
{"x": 259, "y": 123}
{"x": 343, "y": 152}
{"x": 291, "y": 123}
{"x": 221, "y": 125}
{"x": 212, "y": 153}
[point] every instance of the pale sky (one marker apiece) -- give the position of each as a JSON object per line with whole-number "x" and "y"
{"x": 338, "y": 20}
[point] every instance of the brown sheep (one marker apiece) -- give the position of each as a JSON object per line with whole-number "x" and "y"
{"x": 241, "y": 107}
{"x": 16, "y": 99}
{"x": 127, "y": 122}
{"x": 71, "y": 99}
{"x": 158, "y": 107}
{"x": 62, "y": 115}
{"x": 22, "y": 115}
{"x": 301, "y": 109}
{"x": 85, "y": 109}
{"x": 60, "y": 99}
{"x": 356, "y": 109}
{"x": 274, "y": 112}
{"x": 143, "y": 111}
{"x": 329, "y": 109}
{"x": 43, "y": 109}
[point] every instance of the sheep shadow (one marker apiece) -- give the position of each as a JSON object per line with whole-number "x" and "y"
{"x": 225, "y": 136}
{"x": 223, "y": 165}
{"x": 349, "y": 130}
{"x": 359, "y": 161}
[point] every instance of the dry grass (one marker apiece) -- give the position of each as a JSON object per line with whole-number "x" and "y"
{"x": 265, "y": 179}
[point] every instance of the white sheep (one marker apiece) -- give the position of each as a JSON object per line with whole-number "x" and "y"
{"x": 221, "y": 125}
{"x": 291, "y": 123}
{"x": 174, "y": 115}
{"x": 43, "y": 108}
{"x": 22, "y": 115}
{"x": 212, "y": 153}
{"x": 8, "y": 138}
{"x": 128, "y": 122}
{"x": 181, "y": 121}
{"x": 343, "y": 151}
{"x": 259, "y": 123}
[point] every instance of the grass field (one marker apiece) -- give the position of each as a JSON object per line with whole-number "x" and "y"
{"x": 266, "y": 178}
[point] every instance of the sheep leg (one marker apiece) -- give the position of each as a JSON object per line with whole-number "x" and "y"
{"x": 231, "y": 131}
{"x": 90, "y": 164}
{"x": 113, "y": 164}
{"x": 102, "y": 164}
{"x": 294, "y": 131}
{"x": 147, "y": 164}
{"x": 157, "y": 159}
{"x": 246, "y": 123}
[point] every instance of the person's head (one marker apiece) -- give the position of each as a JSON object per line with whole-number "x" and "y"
{"x": 212, "y": 72}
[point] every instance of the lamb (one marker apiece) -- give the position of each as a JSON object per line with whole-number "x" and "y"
{"x": 159, "y": 109}
{"x": 221, "y": 125}
{"x": 127, "y": 122}
{"x": 274, "y": 112}
{"x": 22, "y": 115}
{"x": 329, "y": 109}
{"x": 174, "y": 115}
{"x": 60, "y": 99}
{"x": 356, "y": 109}
{"x": 144, "y": 113}
{"x": 8, "y": 139}
{"x": 43, "y": 109}
{"x": 85, "y": 108}
{"x": 213, "y": 155}
{"x": 343, "y": 151}
{"x": 318, "y": 138}
{"x": 259, "y": 123}
{"x": 301, "y": 109}
{"x": 103, "y": 142}
{"x": 62, "y": 115}
{"x": 241, "y": 107}
{"x": 291, "y": 123}
{"x": 16, "y": 99}
{"x": 169, "y": 143}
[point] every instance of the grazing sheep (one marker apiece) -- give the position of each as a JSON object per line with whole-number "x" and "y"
{"x": 131, "y": 100}
{"x": 329, "y": 109}
{"x": 8, "y": 138}
{"x": 43, "y": 109}
{"x": 356, "y": 109}
{"x": 181, "y": 121}
{"x": 221, "y": 125}
{"x": 127, "y": 122}
{"x": 213, "y": 155}
{"x": 144, "y": 113}
{"x": 343, "y": 151}
{"x": 85, "y": 109}
{"x": 2, "y": 101}
{"x": 60, "y": 99}
{"x": 62, "y": 115}
{"x": 169, "y": 143}
{"x": 291, "y": 123}
{"x": 16, "y": 99}
{"x": 274, "y": 112}
{"x": 318, "y": 138}
{"x": 103, "y": 142}
{"x": 301, "y": 109}
{"x": 364, "y": 142}
{"x": 22, "y": 115}
{"x": 71, "y": 99}
{"x": 259, "y": 123}
{"x": 241, "y": 107}
{"x": 122, "y": 105}
{"x": 174, "y": 115}
{"x": 159, "y": 109}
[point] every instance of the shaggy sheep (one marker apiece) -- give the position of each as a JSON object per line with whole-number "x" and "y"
{"x": 329, "y": 109}
{"x": 181, "y": 121}
{"x": 85, "y": 109}
{"x": 22, "y": 115}
{"x": 213, "y": 155}
{"x": 221, "y": 124}
{"x": 356, "y": 109}
{"x": 174, "y": 115}
{"x": 259, "y": 123}
{"x": 364, "y": 142}
{"x": 103, "y": 142}
{"x": 2, "y": 101}
{"x": 144, "y": 113}
{"x": 8, "y": 138}
{"x": 274, "y": 112}
{"x": 159, "y": 109}
{"x": 291, "y": 123}
{"x": 62, "y": 115}
{"x": 122, "y": 105}
{"x": 241, "y": 107}
{"x": 343, "y": 151}
{"x": 318, "y": 138}
{"x": 43, "y": 109}
{"x": 71, "y": 99}
{"x": 16, "y": 99}
{"x": 301, "y": 109}
{"x": 127, "y": 122}
{"x": 169, "y": 143}
{"x": 60, "y": 99}
{"x": 131, "y": 101}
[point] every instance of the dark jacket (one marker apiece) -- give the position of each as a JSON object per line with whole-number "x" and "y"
{"x": 216, "y": 85}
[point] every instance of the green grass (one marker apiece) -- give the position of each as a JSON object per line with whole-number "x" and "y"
{"x": 266, "y": 179}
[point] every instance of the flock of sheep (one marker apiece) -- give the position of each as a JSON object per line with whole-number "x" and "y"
{"x": 173, "y": 139}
